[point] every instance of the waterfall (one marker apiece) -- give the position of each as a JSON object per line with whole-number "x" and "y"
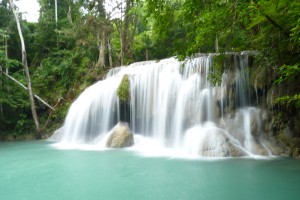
{"x": 172, "y": 103}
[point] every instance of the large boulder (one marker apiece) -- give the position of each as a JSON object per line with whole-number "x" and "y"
{"x": 120, "y": 137}
{"x": 210, "y": 141}
{"x": 221, "y": 146}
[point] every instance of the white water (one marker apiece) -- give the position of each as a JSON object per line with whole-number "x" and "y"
{"x": 172, "y": 107}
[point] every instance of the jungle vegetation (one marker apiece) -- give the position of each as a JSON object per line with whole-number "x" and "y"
{"x": 68, "y": 52}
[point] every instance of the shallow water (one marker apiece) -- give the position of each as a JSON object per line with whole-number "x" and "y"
{"x": 36, "y": 170}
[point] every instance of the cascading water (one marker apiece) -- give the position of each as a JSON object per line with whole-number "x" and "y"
{"x": 174, "y": 104}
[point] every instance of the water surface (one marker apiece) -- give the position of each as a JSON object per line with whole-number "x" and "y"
{"x": 36, "y": 170}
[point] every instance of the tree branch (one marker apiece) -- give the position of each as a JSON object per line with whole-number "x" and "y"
{"x": 286, "y": 33}
{"x": 271, "y": 21}
{"x": 23, "y": 86}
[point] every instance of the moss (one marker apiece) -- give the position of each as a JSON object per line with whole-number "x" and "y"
{"x": 123, "y": 91}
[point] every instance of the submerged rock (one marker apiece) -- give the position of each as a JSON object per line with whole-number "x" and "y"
{"x": 120, "y": 137}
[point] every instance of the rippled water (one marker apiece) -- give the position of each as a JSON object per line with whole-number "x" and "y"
{"x": 36, "y": 170}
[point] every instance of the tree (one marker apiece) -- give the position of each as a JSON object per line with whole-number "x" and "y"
{"x": 25, "y": 64}
{"x": 97, "y": 28}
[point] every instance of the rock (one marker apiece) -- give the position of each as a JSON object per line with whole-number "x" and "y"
{"x": 235, "y": 151}
{"x": 219, "y": 144}
{"x": 120, "y": 137}
{"x": 259, "y": 149}
{"x": 295, "y": 148}
{"x": 296, "y": 124}
{"x": 276, "y": 148}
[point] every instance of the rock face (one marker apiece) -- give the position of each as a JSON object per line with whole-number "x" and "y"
{"x": 120, "y": 137}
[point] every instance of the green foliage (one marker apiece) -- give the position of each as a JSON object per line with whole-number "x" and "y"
{"x": 295, "y": 34}
{"x": 271, "y": 28}
{"x": 8, "y": 63}
{"x": 217, "y": 69}
{"x": 123, "y": 91}
{"x": 14, "y": 101}
{"x": 54, "y": 60}
{"x": 62, "y": 56}
{"x": 58, "y": 67}
{"x": 288, "y": 73}
{"x": 289, "y": 101}
{"x": 15, "y": 106}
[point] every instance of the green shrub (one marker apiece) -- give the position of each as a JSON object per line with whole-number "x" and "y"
{"x": 123, "y": 91}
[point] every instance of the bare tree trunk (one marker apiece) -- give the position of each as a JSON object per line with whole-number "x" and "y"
{"x": 6, "y": 52}
{"x": 109, "y": 53}
{"x": 69, "y": 15}
{"x": 121, "y": 37}
{"x": 102, "y": 49}
{"x": 147, "y": 54}
{"x": 102, "y": 45}
{"x": 56, "y": 17}
{"x": 24, "y": 61}
{"x": 124, "y": 36}
{"x": 122, "y": 52}
{"x": 216, "y": 44}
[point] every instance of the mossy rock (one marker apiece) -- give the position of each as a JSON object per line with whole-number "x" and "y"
{"x": 123, "y": 91}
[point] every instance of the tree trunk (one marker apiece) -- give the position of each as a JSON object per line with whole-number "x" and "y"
{"x": 6, "y": 51}
{"x": 24, "y": 61}
{"x": 121, "y": 37}
{"x": 124, "y": 35}
{"x": 147, "y": 54}
{"x": 216, "y": 44}
{"x": 102, "y": 49}
{"x": 109, "y": 53}
{"x": 122, "y": 52}
{"x": 69, "y": 16}
{"x": 56, "y": 17}
{"x": 102, "y": 45}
